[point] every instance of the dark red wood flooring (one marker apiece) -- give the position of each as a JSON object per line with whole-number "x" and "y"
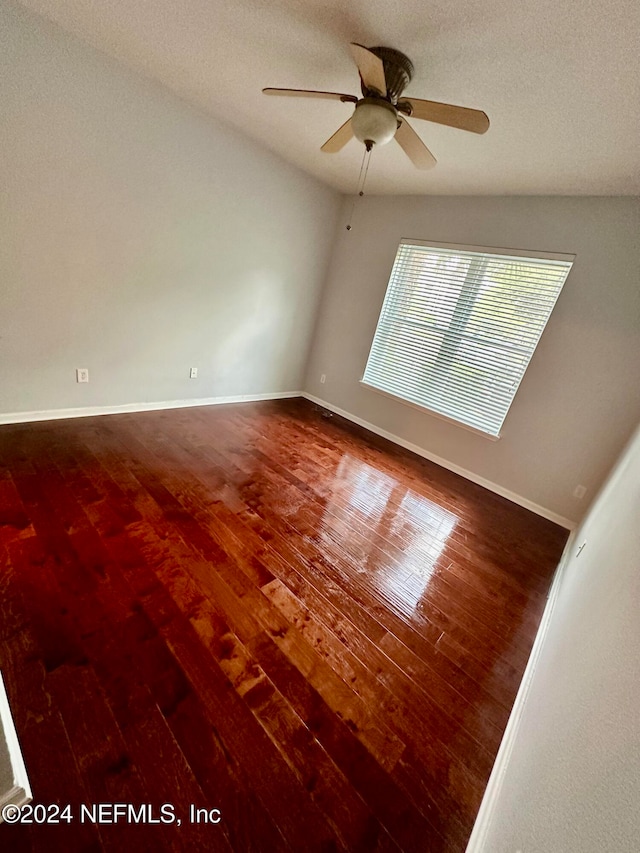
{"x": 264, "y": 610}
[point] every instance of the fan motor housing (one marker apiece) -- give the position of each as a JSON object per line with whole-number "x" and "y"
{"x": 398, "y": 71}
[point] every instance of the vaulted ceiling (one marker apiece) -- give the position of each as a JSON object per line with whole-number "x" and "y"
{"x": 559, "y": 80}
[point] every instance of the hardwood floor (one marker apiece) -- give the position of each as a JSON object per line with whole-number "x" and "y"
{"x": 260, "y": 609}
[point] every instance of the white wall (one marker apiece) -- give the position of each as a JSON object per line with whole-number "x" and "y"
{"x": 571, "y": 782}
{"x": 141, "y": 238}
{"x": 14, "y": 783}
{"x": 579, "y": 399}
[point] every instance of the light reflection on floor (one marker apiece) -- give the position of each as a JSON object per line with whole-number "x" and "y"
{"x": 415, "y": 527}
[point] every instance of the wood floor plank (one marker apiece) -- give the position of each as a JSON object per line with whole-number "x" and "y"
{"x": 76, "y": 622}
{"x": 483, "y": 769}
{"x": 306, "y": 554}
{"x": 341, "y": 551}
{"x": 264, "y": 609}
{"x": 104, "y": 763}
{"x": 446, "y": 496}
{"x": 248, "y": 597}
{"x": 231, "y": 578}
{"x": 395, "y": 809}
{"x": 164, "y": 678}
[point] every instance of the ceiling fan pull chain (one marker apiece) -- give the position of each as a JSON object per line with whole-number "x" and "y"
{"x": 358, "y": 193}
{"x": 367, "y": 155}
{"x": 361, "y": 182}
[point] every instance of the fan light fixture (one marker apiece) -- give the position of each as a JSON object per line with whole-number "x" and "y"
{"x": 374, "y": 122}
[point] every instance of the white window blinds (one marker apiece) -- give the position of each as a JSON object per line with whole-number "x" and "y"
{"x": 459, "y": 325}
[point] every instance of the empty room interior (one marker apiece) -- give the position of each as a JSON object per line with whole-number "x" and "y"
{"x": 319, "y": 406}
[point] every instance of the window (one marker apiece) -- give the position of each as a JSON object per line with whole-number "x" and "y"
{"x": 459, "y": 325}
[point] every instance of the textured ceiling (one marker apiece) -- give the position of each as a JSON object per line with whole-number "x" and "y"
{"x": 559, "y": 79}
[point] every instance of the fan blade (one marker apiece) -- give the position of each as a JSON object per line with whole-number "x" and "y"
{"x": 371, "y": 68}
{"x": 414, "y": 147}
{"x": 461, "y": 117}
{"x": 308, "y": 93}
{"x": 339, "y": 139}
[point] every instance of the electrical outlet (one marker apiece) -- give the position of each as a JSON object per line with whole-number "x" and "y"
{"x": 579, "y": 492}
{"x": 82, "y": 374}
{"x": 193, "y": 373}
{"x": 323, "y": 378}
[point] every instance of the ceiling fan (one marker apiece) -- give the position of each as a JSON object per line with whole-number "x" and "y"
{"x": 381, "y": 114}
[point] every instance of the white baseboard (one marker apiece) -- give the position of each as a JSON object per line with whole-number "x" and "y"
{"x": 20, "y": 791}
{"x": 444, "y": 463}
{"x": 494, "y": 785}
{"x": 91, "y": 411}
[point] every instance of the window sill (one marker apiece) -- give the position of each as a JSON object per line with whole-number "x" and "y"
{"x": 427, "y": 411}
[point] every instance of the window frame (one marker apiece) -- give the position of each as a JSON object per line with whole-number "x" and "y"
{"x": 523, "y": 254}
